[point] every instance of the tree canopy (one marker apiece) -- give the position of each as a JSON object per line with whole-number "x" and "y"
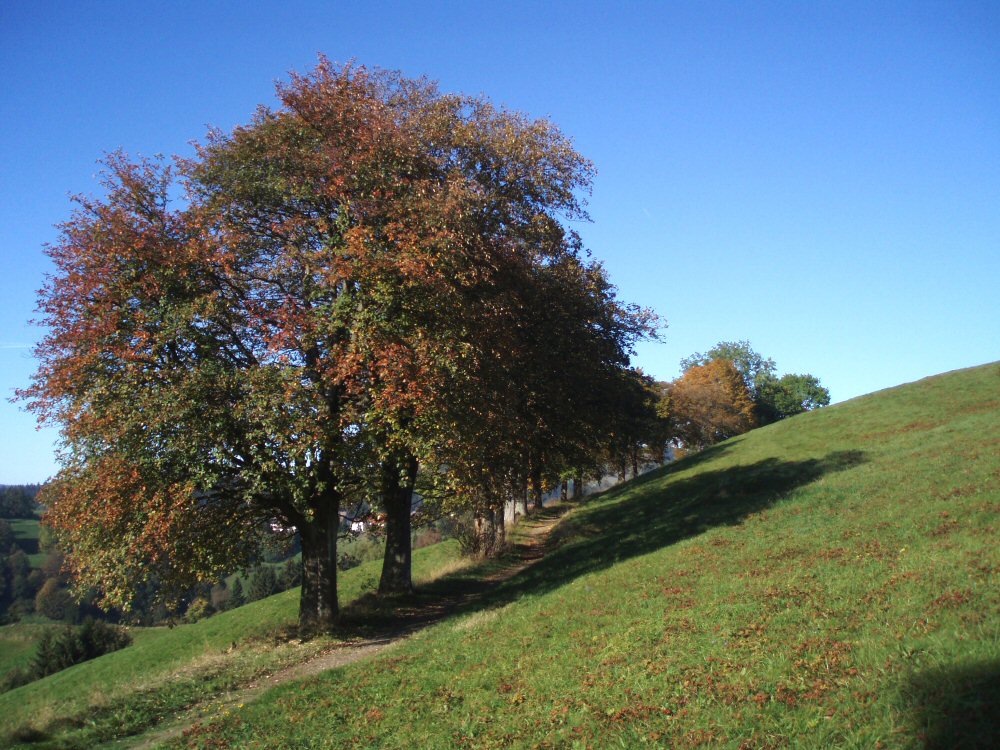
{"x": 710, "y": 403}
{"x": 774, "y": 398}
{"x": 752, "y": 367}
{"x": 365, "y": 279}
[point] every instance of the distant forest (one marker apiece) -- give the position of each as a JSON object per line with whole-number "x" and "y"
{"x": 18, "y": 500}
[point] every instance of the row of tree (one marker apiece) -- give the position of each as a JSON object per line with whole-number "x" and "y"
{"x": 373, "y": 285}
{"x": 369, "y": 290}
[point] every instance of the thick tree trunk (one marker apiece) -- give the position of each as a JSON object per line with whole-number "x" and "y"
{"x": 318, "y": 608}
{"x": 510, "y": 510}
{"x": 635, "y": 463}
{"x": 398, "y": 478}
{"x": 564, "y": 491}
{"x": 577, "y": 487}
{"x": 490, "y": 532}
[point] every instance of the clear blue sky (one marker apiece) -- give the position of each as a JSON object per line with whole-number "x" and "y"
{"x": 822, "y": 179}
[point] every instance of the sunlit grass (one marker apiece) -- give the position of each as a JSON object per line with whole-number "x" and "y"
{"x": 17, "y": 644}
{"x": 168, "y": 669}
{"x": 829, "y": 581}
{"x": 26, "y": 531}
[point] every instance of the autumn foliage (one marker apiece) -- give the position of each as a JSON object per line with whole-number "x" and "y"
{"x": 774, "y": 398}
{"x": 710, "y": 403}
{"x": 369, "y": 279}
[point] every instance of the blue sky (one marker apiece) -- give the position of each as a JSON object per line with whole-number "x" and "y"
{"x": 822, "y": 179}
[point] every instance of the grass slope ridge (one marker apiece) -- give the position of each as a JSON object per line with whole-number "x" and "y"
{"x": 828, "y": 581}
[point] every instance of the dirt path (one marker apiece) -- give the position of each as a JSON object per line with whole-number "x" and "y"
{"x": 520, "y": 557}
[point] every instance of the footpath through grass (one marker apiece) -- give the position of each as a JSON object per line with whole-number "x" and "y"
{"x": 829, "y": 581}
{"x": 167, "y": 670}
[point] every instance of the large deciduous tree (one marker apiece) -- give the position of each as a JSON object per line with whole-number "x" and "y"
{"x": 710, "y": 403}
{"x": 788, "y": 395}
{"x": 341, "y": 295}
{"x": 752, "y": 367}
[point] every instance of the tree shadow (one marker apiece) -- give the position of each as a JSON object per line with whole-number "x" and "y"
{"x": 958, "y": 708}
{"x": 374, "y": 615}
{"x": 712, "y": 452}
{"x": 650, "y": 517}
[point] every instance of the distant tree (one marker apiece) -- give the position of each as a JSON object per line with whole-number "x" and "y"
{"x": 47, "y": 541}
{"x": 8, "y": 541}
{"x": 638, "y": 431}
{"x": 19, "y": 568}
{"x": 789, "y": 395}
{"x": 774, "y": 397}
{"x": 751, "y": 366}
{"x": 199, "y": 608}
{"x": 710, "y": 403}
{"x": 26, "y": 584}
{"x": 58, "y": 650}
{"x": 236, "y": 596}
{"x": 219, "y": 596}
{"x": 17, "y": 501}
{"x": 54, "y": 601}
{"x": 291, "y": 575}
{"x": 263, "y": 583}
{"x": 52, "y": 565}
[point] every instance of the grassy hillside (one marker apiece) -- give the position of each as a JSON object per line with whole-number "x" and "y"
{"x": 17, "y": 644}
{"x": 828, "y": 581}
{"x": 167, "y": 669}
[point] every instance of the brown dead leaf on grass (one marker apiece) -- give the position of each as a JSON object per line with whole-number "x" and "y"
{"x": 950, "y": 600}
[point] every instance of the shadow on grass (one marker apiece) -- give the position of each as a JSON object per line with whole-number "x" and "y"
{"x": 627, "y": 521}
{"x": 649, "y": 517}
{"x": 373, "y": 615}
{"x": 958, "y": 708}
{"x": 631, "y": 520}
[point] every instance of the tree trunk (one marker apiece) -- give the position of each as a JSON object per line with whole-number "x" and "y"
{"x": 564, "y": 491}
{"x": 490, "y": 532}
{"x": 521, "y": 499}
{"x": 635, "y": 463}
{"x": 536, "y": 487}
{"x": 398, "y": 478}
{"x": 577, "y": 487}
{"x": 318, "y": 608}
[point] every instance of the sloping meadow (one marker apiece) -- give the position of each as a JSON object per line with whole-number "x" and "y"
{"x": 827, "y": 581}
{"x": 167, "y": 670}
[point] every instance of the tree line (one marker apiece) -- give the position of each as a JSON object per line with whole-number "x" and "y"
{"x": 370, "y": 290}
{"x": 372, "y": 285}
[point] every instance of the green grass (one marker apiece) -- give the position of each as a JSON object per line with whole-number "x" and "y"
{"x": 828, "y": 581}
{"x": 17, "y": 644}
{"x": 26, "y": 532}
{"x": 168, "y": 669}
